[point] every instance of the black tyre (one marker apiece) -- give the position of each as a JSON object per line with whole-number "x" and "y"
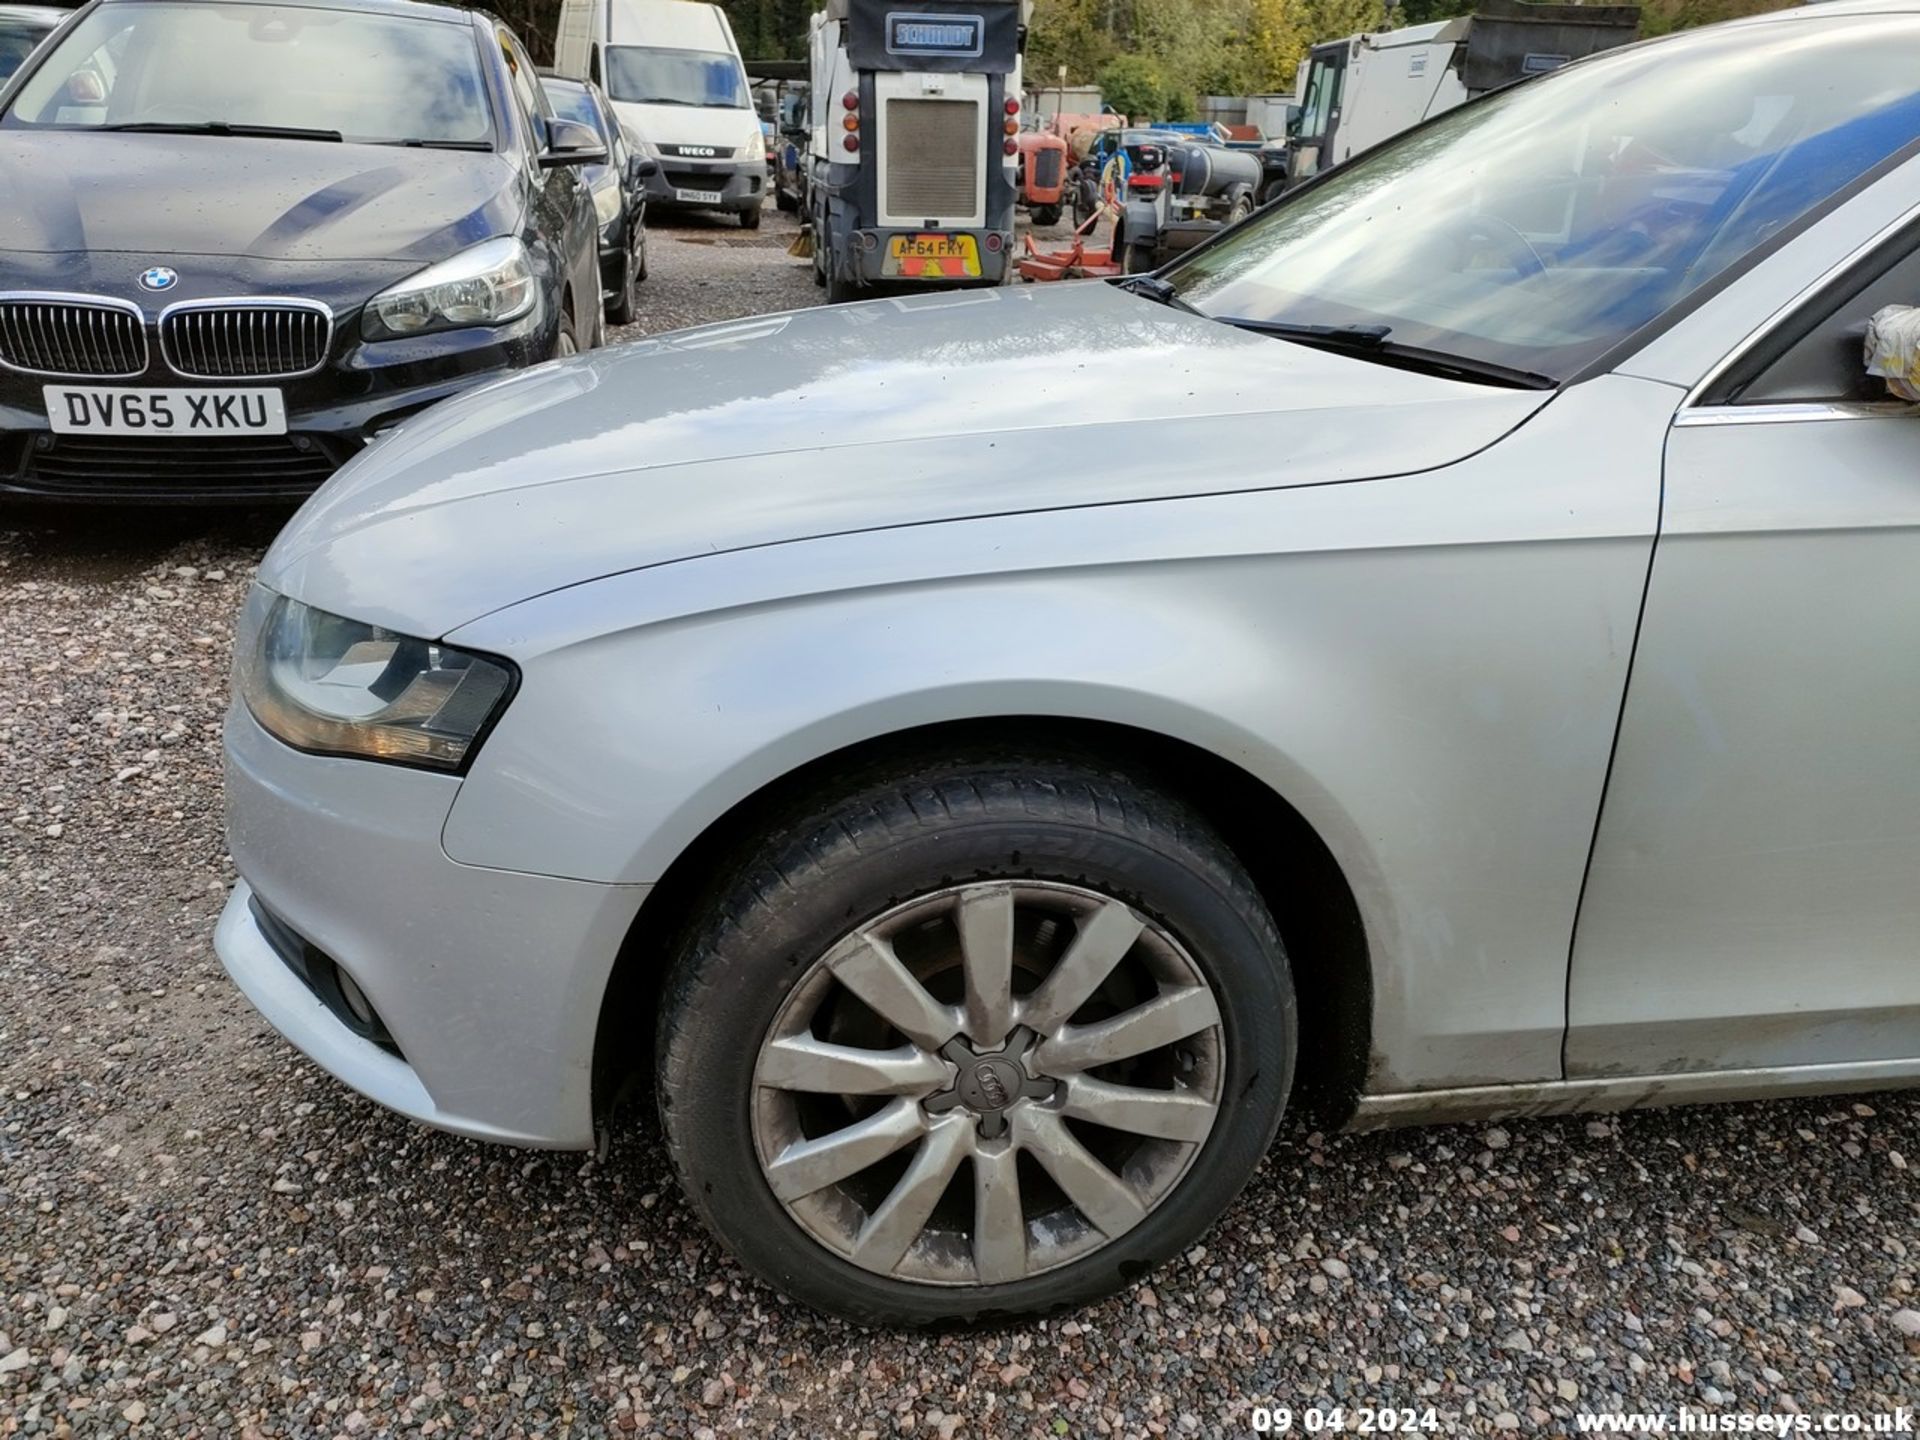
{"x": 845, "y": 292}
{"x": 567, "y": 342}
{"x": 1243, "y": 208}
{"x": 1046, "y": 215}
{"x": 750, "y": 219}
{"x": 624, "y": 307}
{"x": 786, "y": 204}
{"x": 983, "y": 1038}
{"x": 1138, "y": 258}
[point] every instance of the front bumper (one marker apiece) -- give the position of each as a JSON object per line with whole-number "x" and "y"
{"x": 741, "y": 184}
{"x": 488, "y": 982}
{"x": 331, "y": 415}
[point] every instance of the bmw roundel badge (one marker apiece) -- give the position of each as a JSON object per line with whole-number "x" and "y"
{"x": 159, "y": 278}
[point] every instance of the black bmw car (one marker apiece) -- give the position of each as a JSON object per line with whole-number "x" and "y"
{"x": 240, "y": 238}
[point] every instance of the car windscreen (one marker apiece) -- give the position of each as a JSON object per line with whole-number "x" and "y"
{"x": 1538, "y": 228}
{"x": 18, "y": 36}
{"x": 170, "y": 65}
{"x": 710, "y": 78}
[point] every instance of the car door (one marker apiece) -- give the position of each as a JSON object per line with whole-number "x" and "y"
{"x": 1754, "y": 893}
{"x": 559, "y": 196}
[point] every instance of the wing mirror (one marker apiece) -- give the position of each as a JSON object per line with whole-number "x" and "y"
{"x": 641, "y": 168}
{"x": 571, "y": 143}
{"x": 1893, "y": 349}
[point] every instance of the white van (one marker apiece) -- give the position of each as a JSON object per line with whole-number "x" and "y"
{"x": 674, "y": 74}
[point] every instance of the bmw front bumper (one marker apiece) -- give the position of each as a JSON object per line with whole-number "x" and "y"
{"x": 332, "y": 414}
{"x": 486, "y": 985}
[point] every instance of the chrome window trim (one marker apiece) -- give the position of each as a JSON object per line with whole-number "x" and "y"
{"x": 250, "y": 302}
{"x": 94, "y": 302}
{"x": 1796, "y": 412}
{"x": 1690, "y": 406}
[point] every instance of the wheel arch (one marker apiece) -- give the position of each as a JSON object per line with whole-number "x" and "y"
{"x": 1306, "y": 888}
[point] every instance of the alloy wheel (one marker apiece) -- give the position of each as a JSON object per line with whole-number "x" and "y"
{"x": 988, "y": 1082}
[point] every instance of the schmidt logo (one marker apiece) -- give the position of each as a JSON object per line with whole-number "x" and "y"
{"x": 935, "y": 34}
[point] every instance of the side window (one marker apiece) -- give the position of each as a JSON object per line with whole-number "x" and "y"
{"x": 1818, "y": 357}
{"x": 526, "y": 88}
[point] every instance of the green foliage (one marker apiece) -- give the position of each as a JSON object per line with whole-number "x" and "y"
{"x": 771, "y": 29}
{"x": 1424, "y": 12}
{"x": 1163, "y": 53}
{"x": 1135, "y": 86}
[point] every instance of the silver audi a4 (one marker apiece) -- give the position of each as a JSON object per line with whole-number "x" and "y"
{"x": 1450, "y": 646}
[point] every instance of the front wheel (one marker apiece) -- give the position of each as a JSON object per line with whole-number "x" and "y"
{"x": 624, "y": 307}
{"x": 750, "y": 219}
{"x": 984, "y": 1038}
{"x": 1046, "y": 215}
{"x": 567, "y": 342}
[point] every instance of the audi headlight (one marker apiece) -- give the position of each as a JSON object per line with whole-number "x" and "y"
{"x": 488, "y": 285}
{"x": 324, "y": 683}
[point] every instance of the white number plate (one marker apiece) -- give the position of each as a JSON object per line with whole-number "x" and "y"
{"x": 101, "y": 410}
{"x": 697, "y": 197}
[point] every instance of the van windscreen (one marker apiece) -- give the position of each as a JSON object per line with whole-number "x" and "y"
{"x": 711, "y": 79}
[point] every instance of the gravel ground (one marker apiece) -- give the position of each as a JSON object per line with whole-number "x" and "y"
{"x": 202, "y": 1235}
{"x": 704, "y": 268}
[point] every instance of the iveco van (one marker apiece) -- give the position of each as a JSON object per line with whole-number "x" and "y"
{"x": 675, "y": 77}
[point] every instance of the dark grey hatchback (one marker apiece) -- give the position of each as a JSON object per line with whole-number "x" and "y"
{"x": 238, "y": 239}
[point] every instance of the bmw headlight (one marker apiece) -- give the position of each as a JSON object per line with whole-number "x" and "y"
{"x": 488, "y": 285}
{"x": 335, "y": 686}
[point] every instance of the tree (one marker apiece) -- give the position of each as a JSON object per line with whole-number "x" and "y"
{"x": 1072, "y": 33}
{"x": 1135, "y": 86}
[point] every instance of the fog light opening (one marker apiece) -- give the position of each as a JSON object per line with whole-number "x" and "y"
{"x": 356, "y": 1000}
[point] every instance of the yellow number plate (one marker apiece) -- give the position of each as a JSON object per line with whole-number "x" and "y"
{"x": 933, "y": 257}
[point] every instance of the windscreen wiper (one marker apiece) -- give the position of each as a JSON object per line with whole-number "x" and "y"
{"x": 1334, "y": 337}
{"x": 1161, "y": 292}
{"x": 1370, "y": 342}
{"x": 474, "y": 145}
{"x": 224, "y": 127}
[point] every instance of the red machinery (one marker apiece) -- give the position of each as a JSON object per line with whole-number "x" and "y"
{"x": 1122, "y": 180}
{"x": 1042, "y": 176}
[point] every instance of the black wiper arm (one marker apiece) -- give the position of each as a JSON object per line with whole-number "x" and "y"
{"x": 1161, "y": 292}
{"x": 475, "y": 145}
{"x": 1371, "y": 342}
{"x": 224, "y": 127}
{"x": 1334, "y": 337}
